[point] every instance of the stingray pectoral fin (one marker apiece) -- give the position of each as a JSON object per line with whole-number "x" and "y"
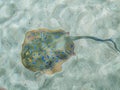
{"x": 58, "y": 66}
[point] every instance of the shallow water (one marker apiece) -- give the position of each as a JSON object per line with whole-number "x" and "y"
{"x": 96, "y": 65}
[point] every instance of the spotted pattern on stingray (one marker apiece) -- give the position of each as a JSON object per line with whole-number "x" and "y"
{"x": 43, "y": 49}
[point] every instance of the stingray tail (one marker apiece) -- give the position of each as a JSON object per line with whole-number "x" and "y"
{"x": 96, "y": 39}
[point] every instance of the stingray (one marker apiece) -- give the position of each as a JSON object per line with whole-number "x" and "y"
{"x": 46, "y": 50}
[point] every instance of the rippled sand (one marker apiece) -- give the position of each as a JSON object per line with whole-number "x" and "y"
{"x": 96, "y": 66}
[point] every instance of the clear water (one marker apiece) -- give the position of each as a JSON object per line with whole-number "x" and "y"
{"x": 96, "y": 65}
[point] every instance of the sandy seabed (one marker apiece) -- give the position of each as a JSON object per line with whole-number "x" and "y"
{"x": 96, "y": 65}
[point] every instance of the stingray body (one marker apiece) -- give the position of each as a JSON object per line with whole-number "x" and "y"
{"x": 46, "y": 50}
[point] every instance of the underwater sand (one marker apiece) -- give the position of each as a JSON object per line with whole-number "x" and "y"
{"x": 96, "y": 65}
